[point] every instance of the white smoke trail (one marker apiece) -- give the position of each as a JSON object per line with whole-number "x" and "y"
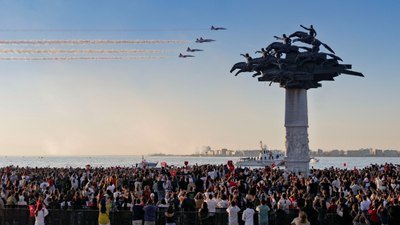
{"x": 80, "y": 51}
{"x": 105, "y": 30}
{"x": 81, "y": 58}
{"x": 89, "y": 42}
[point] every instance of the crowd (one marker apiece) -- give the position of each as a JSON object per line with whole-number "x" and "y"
{"x": 369, "y": 195}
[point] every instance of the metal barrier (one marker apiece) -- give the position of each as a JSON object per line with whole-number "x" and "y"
{"x": 20, "y": 216}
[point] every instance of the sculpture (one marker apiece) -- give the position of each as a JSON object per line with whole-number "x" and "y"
{"x": 303, "y": 69}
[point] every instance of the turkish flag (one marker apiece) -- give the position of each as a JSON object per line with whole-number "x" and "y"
{"x": 173, "y": 173}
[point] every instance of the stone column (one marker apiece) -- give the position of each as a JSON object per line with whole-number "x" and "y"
{"x": 296, "y": 123}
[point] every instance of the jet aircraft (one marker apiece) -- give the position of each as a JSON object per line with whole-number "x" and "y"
{"x": 202, "y": 40}
{"x": 217, "y": 28}
{"x": 193, "y": 50}
{"x": 185, "y": 56}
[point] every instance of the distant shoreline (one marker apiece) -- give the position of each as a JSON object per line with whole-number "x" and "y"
{"x": 227, "y": 156}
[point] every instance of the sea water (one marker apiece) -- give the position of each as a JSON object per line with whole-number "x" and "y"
{"x": 129, "y": 161}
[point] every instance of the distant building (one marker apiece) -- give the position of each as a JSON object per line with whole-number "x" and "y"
{"x": 210, "y": 153}
{"x": 391, "y": 153}
{"x": 361, "y": 152}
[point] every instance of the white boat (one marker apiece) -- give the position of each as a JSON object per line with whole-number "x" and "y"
{"x": 265, "y": 158}
{"x": 314, "y": 160}
{"x": 145, "y": 164}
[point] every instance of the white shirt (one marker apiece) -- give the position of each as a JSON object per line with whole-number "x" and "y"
{"x": 223, "y": 204}
{"x": 285, "y": 203}
{"x": 233, "y": 215}
{"x": 212, "y": 205}
{"x": 248, "y": 216}
{"x": 39, "y": 218}
{"x": 364, "y": 205}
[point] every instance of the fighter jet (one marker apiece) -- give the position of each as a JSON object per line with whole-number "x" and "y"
{"x": 217, "y": 28}
{"x": 184, "y": 56}
{"x": 202, "y": 40}
{"x": 193, "y": 50}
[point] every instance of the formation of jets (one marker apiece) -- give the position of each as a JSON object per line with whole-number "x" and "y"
{"x": 200, "y": 40}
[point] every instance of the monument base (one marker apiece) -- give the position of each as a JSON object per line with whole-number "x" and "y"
{"x": 296, "y": 123}
{"x": 298, "y": 165}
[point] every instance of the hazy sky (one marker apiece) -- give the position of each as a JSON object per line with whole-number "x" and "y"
{"x": 174, "y": 105}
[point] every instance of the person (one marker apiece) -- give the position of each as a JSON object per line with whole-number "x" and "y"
{"x": 384, "y": 216}
{"x": 285, "y": 39}
{"x": 394, "y": 212}
{"x": 311, "y": 31}
{"x": 248, "y": 215}
{"x": 365, "y": 204}
{"x": 203, "y": 214}
{"x": 199, "y": 199}
{"x": 40, "y": 214}
{"x": 311, "y": 212}
{"x": 248, "y": 57}
{"x": 137, "y": 212}
{"x": 284, "y": 202}
{"x": 263, "y": 211}
{"x": 104, "y": 212}
{"x": 320, "y": 206}
{"x": 170, "y": 216}
{"x": 301, "y": 219}
{"x": 212, "y": 205}
{"x": 280, "y": 215}
{"x": 232, "y": 211}
{"x": 188, "y": 205}
{"x": 150, "y": 213}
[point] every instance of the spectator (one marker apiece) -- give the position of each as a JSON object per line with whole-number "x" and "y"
{"x": 150, "y": 213}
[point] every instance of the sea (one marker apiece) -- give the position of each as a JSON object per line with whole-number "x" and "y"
{"x": 131, "y": 161}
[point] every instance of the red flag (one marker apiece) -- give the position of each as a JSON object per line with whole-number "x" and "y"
{"x": 273, "y": 165}
{"x": 173, "y": 173}
{"x": 163, "y": 164}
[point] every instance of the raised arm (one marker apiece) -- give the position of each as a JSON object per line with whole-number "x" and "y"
{"x": 305, "y": 27}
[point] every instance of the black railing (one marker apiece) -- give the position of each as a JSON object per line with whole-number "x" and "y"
{"x": 20, "y": 216}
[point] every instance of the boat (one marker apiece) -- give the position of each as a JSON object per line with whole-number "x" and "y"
{"x": 314, "y": 160}
{"x": 265, "y": 158}
{"x": 145, "y": 164}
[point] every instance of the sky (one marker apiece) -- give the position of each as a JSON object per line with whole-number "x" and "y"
{"x": 164, "y": 104}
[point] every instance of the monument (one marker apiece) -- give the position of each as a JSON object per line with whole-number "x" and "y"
{"x": 297, "y": 69}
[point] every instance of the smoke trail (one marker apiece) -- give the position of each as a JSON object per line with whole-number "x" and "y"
{"x": 80, "y": 51}
{"x": 105, "y": 30}
{"x": 89, "y": 42}
{"x": 81, "y": 58}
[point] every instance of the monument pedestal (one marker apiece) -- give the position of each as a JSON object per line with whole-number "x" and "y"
{"x": 296, "y": 123}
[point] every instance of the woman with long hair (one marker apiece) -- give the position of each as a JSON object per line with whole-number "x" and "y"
{"x": 204, "y": 214}
{"x": 40, "y": 214}
{"x": 104, "y": 212}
